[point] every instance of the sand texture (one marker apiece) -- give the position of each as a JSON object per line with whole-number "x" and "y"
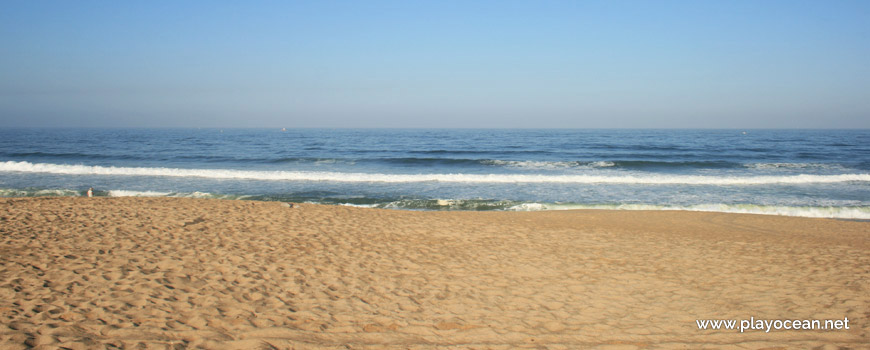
{"x": 158, "y": 273}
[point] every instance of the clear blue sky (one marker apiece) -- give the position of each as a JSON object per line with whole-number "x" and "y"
{"x": 556, "y": 64}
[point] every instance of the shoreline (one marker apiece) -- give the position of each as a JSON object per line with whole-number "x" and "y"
{"x": 158, "y": 271}
{"x": 849, "y": 213}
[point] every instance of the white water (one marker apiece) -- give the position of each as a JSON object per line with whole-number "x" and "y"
{"x": 128, "y": 193}
{"x": 652, "y": 179}
{"x": 854, "y": 212}
{"x": 811, "y": 212}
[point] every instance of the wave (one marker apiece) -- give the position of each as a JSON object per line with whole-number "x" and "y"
{"x": 501, "y": 151}
{"x": 197, "y": 194}
{"x": 71, "y": 155}
{"x": 793, "y": 166}
{"x": 425, "y": 204}
{"x": 35, "y": 192}
{"x": 650, "y": 179}
{"x": 442, "y": 161}
{"x": 619, "y": 164}
{"x": 30, "y": 192}
{"x": 126, "y": 193}
{"x": 533, "y": 164}
{"x": 647, "y": 164}
{"x": 861, "y": 212}
{"x": 835, "y": 212}
{"x": 434, "y": 161}
{"x": 857, "y": 212}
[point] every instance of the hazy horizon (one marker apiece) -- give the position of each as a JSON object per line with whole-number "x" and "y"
{"x": 410, "y": 128}
{"x": 487, "y": 64}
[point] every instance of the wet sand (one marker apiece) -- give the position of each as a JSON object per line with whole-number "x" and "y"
{"x": 133, "y": 273}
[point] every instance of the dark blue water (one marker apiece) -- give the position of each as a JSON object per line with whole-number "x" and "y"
{"x": 790, "y": 172}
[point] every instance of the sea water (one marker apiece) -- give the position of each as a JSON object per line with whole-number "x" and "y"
{"x": 813, "y": 173}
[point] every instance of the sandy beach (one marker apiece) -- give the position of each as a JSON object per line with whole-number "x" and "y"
{"x": 173, "y": 273}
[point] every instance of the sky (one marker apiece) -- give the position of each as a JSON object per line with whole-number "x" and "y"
{"x": 434, "y": 64}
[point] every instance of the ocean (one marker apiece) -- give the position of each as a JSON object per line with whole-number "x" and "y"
{"x": 811, "y": 173}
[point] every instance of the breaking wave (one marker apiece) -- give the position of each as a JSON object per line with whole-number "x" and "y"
{"x": 860, "y": 212}
{"x": 653, "y": 179}
{"x": 836, "y": 212}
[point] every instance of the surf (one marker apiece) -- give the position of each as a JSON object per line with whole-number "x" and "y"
{"x": 277, "y": 175}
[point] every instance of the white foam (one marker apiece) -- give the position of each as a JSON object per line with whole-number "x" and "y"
{"x": 535, "y": 207}
{"x": 654, "y": 179}
{"x": 811, "y": 212}
{"x": 532, "y": 164}
{"x": 354, "y": 205}
{"x": 602, "y": 164}
{"x": 125, "y": 193}
{"x": 56, "y": 193}
{"x": 793, "y": 166}
{"x": 197, "y": 194}
{"x": 38, "y": 193}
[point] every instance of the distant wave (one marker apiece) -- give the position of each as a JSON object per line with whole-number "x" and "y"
{"x": 424, "y": 161}
{"x": 619, "y": 164}
{"x": 502, "y": 151}
{"x": 647, "y": 164}
{"x": 653, "y": 179}
{"x": 533, "y": 164}
{"x": 70, "y": 155}
{"x": 794, "y": 166}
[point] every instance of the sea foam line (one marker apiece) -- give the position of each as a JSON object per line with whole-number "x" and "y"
{"x": 654, "y": 179}
{"x": 862, "y": 213}
{"x": 129, "y": 193}
{"x": 836, "y": 212}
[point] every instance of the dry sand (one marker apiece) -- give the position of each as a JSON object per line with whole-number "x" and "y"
{"x": 189, "y": 273}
